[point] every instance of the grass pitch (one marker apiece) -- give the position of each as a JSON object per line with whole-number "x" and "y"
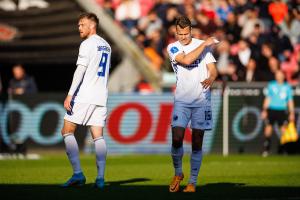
{"x": 147, "y": 177}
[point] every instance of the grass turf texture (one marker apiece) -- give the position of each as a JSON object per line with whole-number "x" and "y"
{"x": 148, "y": 177}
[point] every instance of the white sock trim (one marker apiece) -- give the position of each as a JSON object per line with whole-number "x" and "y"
{"x": 99, "y": 138}
{"x": 68, "y": 134}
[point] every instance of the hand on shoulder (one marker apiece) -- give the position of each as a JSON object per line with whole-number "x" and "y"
{"x": 210, "y": 41}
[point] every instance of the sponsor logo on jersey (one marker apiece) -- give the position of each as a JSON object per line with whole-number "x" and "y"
{"x": 194, "y": 64}
{"x": 103, "y": 48}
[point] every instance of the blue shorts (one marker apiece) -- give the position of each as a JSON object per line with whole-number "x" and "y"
{"x": 200, "y": 117}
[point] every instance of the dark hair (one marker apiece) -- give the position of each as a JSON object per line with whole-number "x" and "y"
{"x": 18, "y": 65}
{"x": 91, "y": 16}
{"x": 183, "y": 22}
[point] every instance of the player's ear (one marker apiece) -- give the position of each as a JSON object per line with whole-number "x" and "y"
{"x": 93, "y": 26}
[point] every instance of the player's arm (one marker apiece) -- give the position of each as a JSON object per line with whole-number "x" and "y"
{"x": 187, "y": 59}
{"x": 213, "y": 73}
{"x": 291, "y": 107}
{"x": 77, "y": 78}
{"x": 265, "y": 107}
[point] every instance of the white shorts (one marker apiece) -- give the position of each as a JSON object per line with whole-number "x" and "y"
{"x": 87, "y": 114}
{"x": 199, "y": 117}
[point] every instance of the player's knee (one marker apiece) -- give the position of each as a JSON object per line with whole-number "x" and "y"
{"x": 63, "y": 131}
{"x": 177, "y": 136}
{"x": 196, "y": 145}
{"x": 66, "y": 130}
{"x": 177, "y": 143}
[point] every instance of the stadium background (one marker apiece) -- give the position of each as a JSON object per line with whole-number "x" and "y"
{"x": 43, "y": 36}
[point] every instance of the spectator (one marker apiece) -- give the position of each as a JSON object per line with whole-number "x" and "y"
{"x": 279, "y": 39}
{"x": 108, "y": 7}
{"x": 274, "y": 66}
{"x": 254, "y": 45}
{"x": 223, "y": 10}
{"x": 189, "y": 10}
{"x": 241, "y": 59}
{"x": 226, "y": 69}
{"x": 21, "y": 83}
{"x": 263, "y": 61}
{"x": 250, "y": 73}
{"x": 250, "y": 22}
{"x": 128, "y": 13}
{"x": 170, "y": 16}
{"x": 207, "y": 8}
{"x": 150, "y": 52}
{"x": 247, "y": 27}
{"x": 146, "y": 6}
{"x": 197, "y": 33}
{"x": 161, "y": 7}
{"x": 242, "y": 6}
{"x": 207, "y": 26}
{"x": 261, "y": 35}
{"x": 232, "y": 29}
{"x": 263, "y": 13}
{"x": 150, "y": 23}
{"x": 290, "y": 26}
{"x": 290, "y": 66}
{"x": 156, "y": 38}
{"x": 278, "y": 10}
{"x": 143, "y": 87}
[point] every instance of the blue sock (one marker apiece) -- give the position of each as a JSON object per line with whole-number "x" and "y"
{"x": 177, "y": 155}
{"x": 196, "y": 160}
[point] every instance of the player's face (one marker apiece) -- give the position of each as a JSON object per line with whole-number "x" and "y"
{"x": 184, "y": 35}
{"x": 279, "y": 76}
{"x": 84, "y": 27}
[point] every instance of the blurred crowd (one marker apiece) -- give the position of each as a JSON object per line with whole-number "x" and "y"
{"x": 258, "y": 37}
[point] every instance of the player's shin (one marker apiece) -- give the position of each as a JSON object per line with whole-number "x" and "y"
{"x": 100, "y": 149}
{"x": 177, "y": 154}
{"x": 196, "y": 160}
{"x": 72, "y": 151}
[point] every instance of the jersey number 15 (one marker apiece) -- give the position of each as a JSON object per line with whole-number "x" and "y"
{"x": 102, "y": 64}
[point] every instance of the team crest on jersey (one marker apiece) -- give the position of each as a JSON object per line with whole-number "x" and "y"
{"x": 174, "y": 50}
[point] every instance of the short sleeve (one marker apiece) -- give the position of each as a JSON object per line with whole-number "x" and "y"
{"x": 269, "y": 90}
{"x": 173, "y": 51}
{"x": 290, "y": 93}
{"x": 208, "y": 57}
{"x": 83, "y": 56}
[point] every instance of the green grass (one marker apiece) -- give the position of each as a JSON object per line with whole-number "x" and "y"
{"x": 147, "y": 177}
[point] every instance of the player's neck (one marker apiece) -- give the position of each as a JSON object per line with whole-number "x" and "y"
{"x": 280, "y": 82}
{"x": 189, "y": 42}
{"x": 92, "y": 33}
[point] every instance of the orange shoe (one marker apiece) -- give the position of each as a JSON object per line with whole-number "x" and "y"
{"x": 190, "y": 188}
{"x": 175, "y": 184}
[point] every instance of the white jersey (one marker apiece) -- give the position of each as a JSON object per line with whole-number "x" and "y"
{"x": 95, "y": 54}
{"x": 189, "y": 90}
